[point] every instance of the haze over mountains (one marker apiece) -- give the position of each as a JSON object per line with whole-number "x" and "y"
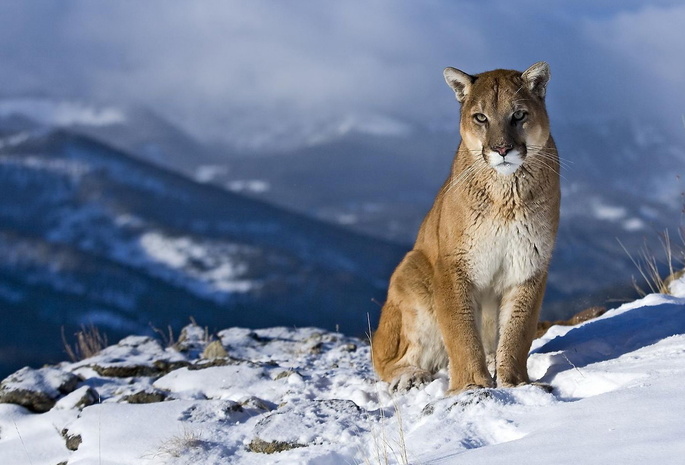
{"x": 115, "y": 217}
{"x": 91, "y": 235}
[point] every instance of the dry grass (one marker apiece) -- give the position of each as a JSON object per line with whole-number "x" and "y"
{"x": 167, "y": 337}
{"x": 181, "y": 444}
{"x": 654, "y": 279}
{"x": 386, "y": 450}
{"x": 89, "y": 342}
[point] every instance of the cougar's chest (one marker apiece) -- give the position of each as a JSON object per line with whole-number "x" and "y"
{"x": 506, "y": 250}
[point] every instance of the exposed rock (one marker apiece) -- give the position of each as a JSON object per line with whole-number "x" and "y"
{"x": 123, "y": 370}
{"x": 126, "y": 371}
{"x": 460, "y": 402}
{"x": 73, "y": 441}
{"x": 37, "y": 390}
{"x": 145, "y": 397}
{"x": 316, "y": 349}
{"x": 306, "y": 424}
{"x": 263, "y": 447}
{"x": 192, "y": 340}
{"x": 134, "y": 357}
{"x": 256, "y": 403}
{"x": 348, "y": 347}
{"x": 215, "y": 410}
{"x": 217, "y": 362}
{"x": 286, "y": 374}
{"x": 167, "y": 366}
{"x": 584, "y": 315}
{"x": 79, "y": 399}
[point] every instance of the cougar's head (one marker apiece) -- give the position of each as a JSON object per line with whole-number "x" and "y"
{"x": 503, "y": 115}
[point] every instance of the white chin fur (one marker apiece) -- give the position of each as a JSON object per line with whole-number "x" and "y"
{"x": 507, "y": 165}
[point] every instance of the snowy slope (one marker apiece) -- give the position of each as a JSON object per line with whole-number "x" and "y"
{"x": 309, "y": 396}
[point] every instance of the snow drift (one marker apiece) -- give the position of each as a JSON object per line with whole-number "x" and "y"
{"x": 285, "y": 395}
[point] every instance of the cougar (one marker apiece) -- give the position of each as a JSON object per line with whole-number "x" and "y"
{"x": 468, "y": 295}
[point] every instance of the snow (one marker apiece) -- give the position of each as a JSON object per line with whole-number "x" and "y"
{"x": 608, "y": 212}
{"x": 251, "y": 186}
{"x": 210, "y": 264}
{"x": 61, "y": 113}
{"x": 209, "y": 173}
{"x": 677, "y": 287}
{"x": 311, "y": 397}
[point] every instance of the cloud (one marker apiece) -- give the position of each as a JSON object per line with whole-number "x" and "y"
{"x": 647, "y": 49}
{"x": 232, "y": 69}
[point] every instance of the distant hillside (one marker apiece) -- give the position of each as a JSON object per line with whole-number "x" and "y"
{"x": 619, "y": 183}
{"x": 91, "y": 231}
{"x": 90, "y": 235}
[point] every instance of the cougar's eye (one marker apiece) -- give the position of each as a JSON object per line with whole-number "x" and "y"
{"x": 519, "y": 115}
{"x": 480, "y": 117}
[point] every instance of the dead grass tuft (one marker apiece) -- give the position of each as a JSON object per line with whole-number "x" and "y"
{"x": 89, "y": 342}
{"x": 651, "y": 269}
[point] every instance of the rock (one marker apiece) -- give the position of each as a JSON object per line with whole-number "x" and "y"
{"x": 256, "y": 403}
{"x": 216, "y": 362}
{"x": 79, "y": 399}
{"x": 307, "y": 424}
{"x": 125, "y": 370}
{"x": 316, "y": 349}
{"x": 263, "y": 447}
{"x": 73, "y": 441}
{"x": 145, "y": 397}
{"x": 460, "y": 402}
{"x": 120, "y": 370}
{"x": 134, "y": 357}
{"x": 214, "y": 350}
{"x": 348, "y": 347}
{"x": 584, "y": 315}
{"x": 37, "y": 389}
{"x": 192, "y": 340}
{"x": 215, "y": 411}
{"x": 286, "y": 374}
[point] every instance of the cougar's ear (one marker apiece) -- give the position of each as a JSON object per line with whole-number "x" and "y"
{"x": 459, "y": 81}
{"x": 536, "y": 78}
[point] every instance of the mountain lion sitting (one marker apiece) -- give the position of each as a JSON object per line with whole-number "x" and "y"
{"x": 468, "y": 295}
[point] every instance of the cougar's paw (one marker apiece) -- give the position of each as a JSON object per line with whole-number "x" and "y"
{"x": 468, "y": 387}
{"x": 410, "y": 378}
{"x": 506, "y": 379}
{"x": 548, "y": 388}
{"x": 544, "y": 386}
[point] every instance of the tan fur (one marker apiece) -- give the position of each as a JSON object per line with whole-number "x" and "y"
{"x": 468, "y": 295}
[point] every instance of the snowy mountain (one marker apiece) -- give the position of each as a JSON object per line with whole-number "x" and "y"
{"x": 90, "y": 235}
{"x": 308, "y": 396}
{"x": 137, "y": 131}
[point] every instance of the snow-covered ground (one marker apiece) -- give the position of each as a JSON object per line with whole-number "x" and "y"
{"x": 305, "y": 396}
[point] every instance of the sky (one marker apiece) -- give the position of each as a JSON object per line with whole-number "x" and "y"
{"x": 229, "y": 70}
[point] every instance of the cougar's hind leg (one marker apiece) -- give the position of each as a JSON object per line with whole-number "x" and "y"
{"x": 407, "y": 347}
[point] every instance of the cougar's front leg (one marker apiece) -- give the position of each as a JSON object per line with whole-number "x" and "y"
{"x": 519, "y": 316}
{"x": 455, "y": 311}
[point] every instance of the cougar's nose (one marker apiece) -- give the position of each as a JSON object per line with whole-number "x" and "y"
{"x": 502, "y": 149}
